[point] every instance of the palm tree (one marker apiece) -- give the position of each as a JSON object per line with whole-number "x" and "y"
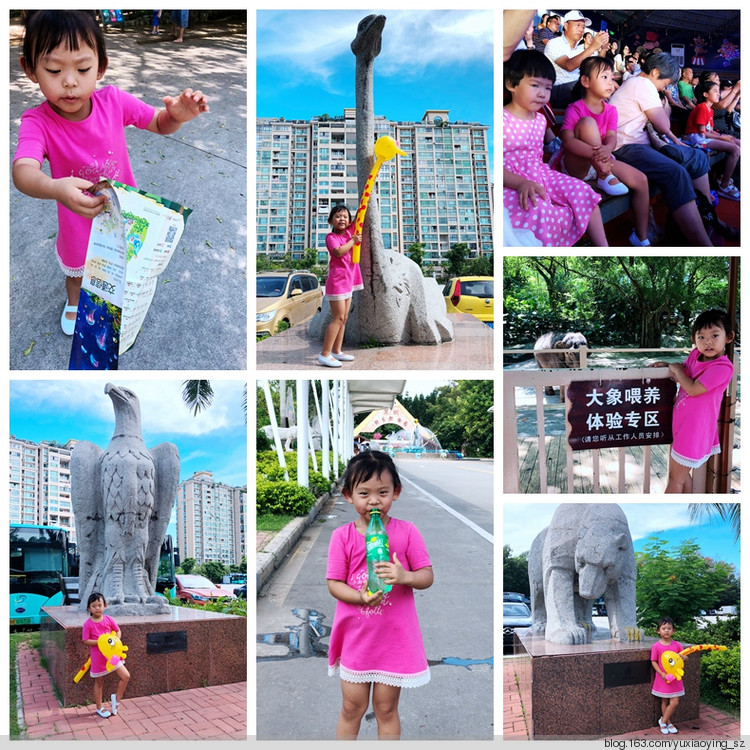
{"x": 725, "y": 511}
{"x": 198, "y": 395}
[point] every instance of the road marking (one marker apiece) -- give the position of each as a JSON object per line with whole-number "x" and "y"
{"x": 465, "y": 468}
{"x": 450, "y": 510}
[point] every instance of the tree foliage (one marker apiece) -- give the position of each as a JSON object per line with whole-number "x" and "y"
{"x": 214, "y": 570}
{"x": 678, "y": 583}
{"x": 516, "y": 572}
{"x": 415, "y": 251}
{"x": 625, "y": 301}
{"x": 188, "y": 565}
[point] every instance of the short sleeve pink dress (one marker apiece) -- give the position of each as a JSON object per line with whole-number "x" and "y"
{"x": 382, "y": 643}
{"x": 661, "y": 687}
{"x": 344, "y": 276}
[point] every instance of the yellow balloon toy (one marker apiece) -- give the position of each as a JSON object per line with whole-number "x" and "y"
{"x": 112, "y": 648}
{"x": 673, "y": 665}
{"x": 385, "y": 149}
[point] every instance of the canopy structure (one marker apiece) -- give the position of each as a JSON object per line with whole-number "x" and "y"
{"x": 366, "y": 395}
{"x": 697, "y": 21}
{"x": 397, "y": 414}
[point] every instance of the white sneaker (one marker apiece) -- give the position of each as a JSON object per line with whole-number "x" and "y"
{"x": 328, "y": 361}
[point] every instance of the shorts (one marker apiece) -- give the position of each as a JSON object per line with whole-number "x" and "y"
{"x": 695, "y": 139}
{"x": 673, "y": 169}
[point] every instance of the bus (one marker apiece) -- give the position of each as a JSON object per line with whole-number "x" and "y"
{"x": 39, "y": 555}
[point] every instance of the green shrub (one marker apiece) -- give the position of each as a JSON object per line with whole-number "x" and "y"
{"x": 267, "y": 467}
{"x": 262, "y": 442}
{"x": 283, "y": 497}
{"x": 720, "y": 677}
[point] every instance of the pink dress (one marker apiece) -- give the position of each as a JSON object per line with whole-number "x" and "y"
{"x": 89, "y": 149}
{"x": 694, "y": 430}
{"x": 91, "y": 631}
{"x": 344, "y": 277}
{"x": 562, "y": 219}
{"x": 382, "y": 643}
{"x": 661, "y": 687}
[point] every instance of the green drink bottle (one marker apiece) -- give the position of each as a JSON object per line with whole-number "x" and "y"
{"x": 376, "y": 540}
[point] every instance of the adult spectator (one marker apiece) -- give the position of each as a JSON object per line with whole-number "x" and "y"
{"x": 617, "y": 60}
{"x": 540, "y": 26}
{"x": 550, "y": 31}
{"x": 685, "y": 87}
{"x": 567, "y": 53}
{"x": 677, "y": 169}
{"x": 629, "y": 68}
{"x": 179, "y": 24}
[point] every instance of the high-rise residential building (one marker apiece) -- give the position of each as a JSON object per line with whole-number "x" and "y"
{"x": 438, "y": 194}
{"x": 211, "y": 520}
{"x": 40, "y": 484}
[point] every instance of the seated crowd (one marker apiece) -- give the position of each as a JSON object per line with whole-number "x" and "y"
{"x": 622, "y": 116}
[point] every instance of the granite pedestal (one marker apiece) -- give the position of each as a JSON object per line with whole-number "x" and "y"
{"x": 187, "y": 648}
{"x": 597, "y": 689}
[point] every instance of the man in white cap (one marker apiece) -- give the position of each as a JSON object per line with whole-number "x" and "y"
{"x": 567, "y": 53}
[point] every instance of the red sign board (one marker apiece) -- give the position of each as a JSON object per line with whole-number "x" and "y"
{"x": 616, "y": 413}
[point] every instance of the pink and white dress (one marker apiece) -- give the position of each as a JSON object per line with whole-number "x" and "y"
{"x": 661, "y": 687}
{"x": 382, "y": 643}
{"x": 562, "y": 219}
{"x": 344, "y": 276}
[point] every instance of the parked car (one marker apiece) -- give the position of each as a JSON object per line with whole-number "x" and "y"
{"x": 472, "y": 294}
{"x": 515, "y": 615}
{"x": 290, "y": 297}
{"x": 241, "y": 592}
{"x": 197, "y": 589}
{"x": 514, "y": 596}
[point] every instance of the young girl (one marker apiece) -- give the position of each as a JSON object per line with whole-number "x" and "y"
{"x": 703, "y": 377}
{"x": 589, "y": 136}
{"x": 669, "y": 692}
{"x": 376, "y": 644}
{"x": 344, "y": 278}
{"x": 557, "y": 208}
{"x": 97, "y": 624}
{"x": 699, "y": 131}
{"x": 80, "y": 130}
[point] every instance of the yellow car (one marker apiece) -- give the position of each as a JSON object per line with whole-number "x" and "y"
{"x": 289, "y": 297}
{"x": 472, "y": 294}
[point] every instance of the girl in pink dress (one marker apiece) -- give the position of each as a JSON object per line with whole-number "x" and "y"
{"x": 376, "y": 643}
{"x": 344, "y": 278}
{"x": 703, "y": 377}
{"x": 557, "y": 208}
{"x": 669, "y": 692}
{"x": 80, "y": 130}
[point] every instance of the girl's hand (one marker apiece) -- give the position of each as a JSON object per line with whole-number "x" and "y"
{"x": 392, "y": 573}
{"x": 70, "y": 192}
{"x": 370, "y": 600}
{"x": 187, "y": 106}
{"x": 528, "y": 191}
{"x": 676, "y": 369}
{"x": 357, "y": 239}
{"x": 602, "y": 153}
{"x": 659, "y": 364}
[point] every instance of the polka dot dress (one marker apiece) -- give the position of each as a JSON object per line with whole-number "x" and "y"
{"x": 561, "y": 220}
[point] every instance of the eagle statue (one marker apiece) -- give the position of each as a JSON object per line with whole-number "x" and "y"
{"x": 122, "y": 500}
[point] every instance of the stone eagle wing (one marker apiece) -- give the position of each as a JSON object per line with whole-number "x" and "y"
{"x": 86, "y": 497}
{"x": 166, "y": 460}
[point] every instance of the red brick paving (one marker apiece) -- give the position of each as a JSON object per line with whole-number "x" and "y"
{"x": 711, "y": 724}
{"x": 217, "y": 712}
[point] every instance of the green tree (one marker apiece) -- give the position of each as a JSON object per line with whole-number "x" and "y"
{"x": 214, "y": 570}
{"x": 188, "y": 565}
{"x": 516, "y": 572}
{"x": 197, "y": 395}
{"x": 415, "y": 251}
{"x": 482, "y": 266}
{"x": 456, "y": 258}
{"x": 677, "y": 582}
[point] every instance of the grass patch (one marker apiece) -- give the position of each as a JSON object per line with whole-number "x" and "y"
{"x": 33, "y": 639}
{"x": 272, "y": 522}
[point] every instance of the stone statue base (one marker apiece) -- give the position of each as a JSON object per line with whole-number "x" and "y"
{"x": 128, "y": 609}
{"x": 593, "y": 690}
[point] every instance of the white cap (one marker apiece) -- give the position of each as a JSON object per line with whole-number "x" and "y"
{"x": 576, "y": 15}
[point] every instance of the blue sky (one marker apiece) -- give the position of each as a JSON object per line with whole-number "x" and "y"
{"x": 669, "y": 521}
{"x": 62, "y": 410}
{"x": 430, "y": 59}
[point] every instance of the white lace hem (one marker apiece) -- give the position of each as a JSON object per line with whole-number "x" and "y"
{"x": 386, "y": 678}
{"x": 694, "y": 463}
{"x": 67, "y": 270}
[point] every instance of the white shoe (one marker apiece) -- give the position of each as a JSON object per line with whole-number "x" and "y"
{"x": 635, "y": 242}
{"x": 618, "y": 188}
{"x": 328, "y": 361}
{"x": 68, "y": 325}
{"x": 663, "y": 726}
{"x": 671, "y": 728}
{"x": 342, "y": 357}
{"x": 113, "y": 701}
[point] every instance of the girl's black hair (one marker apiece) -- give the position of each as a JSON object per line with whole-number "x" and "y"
{"x": 664, "y": 621}
{"x": 713, "y": 318}
{"x": 94, "y": 596}
{"x": 703, "y": 87}
{"x": 589, "y": 67}
{"x": 366, "y": 465}
{"x": 336, "y": 209}
{"x": 527, "y": 62}
{"x": 48, "y": 29}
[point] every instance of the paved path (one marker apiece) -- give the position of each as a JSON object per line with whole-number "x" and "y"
{"x": 217, "y": 713}
{"x": 711, "y": 724}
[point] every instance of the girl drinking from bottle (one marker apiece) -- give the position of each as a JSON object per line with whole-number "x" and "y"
{"x": 376, "y": 643}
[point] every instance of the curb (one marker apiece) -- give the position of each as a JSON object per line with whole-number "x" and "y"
{"x": 276, "y": 551}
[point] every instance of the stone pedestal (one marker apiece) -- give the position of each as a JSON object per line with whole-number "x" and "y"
{"x": 598, "y": 689}
{"x": 187, "y": 648}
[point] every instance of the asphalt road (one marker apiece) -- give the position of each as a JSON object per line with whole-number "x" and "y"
{"x": 296, "y": 698}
